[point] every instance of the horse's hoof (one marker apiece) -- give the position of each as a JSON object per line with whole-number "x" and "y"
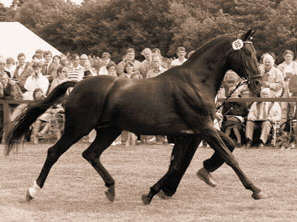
{"x": 110, "y": 195}
{"x": 163, "y": 196}
{"x": 28, "y": 196}
{"x": 258, "y": 196}
{"x": 145, "y": 199}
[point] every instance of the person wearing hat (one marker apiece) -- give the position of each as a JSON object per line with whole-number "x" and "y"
{"x": 128, "y": 58}
{"x": 35, "y": 80}
{"x": 181, "y": 57}
{"x": 265, "y": 113}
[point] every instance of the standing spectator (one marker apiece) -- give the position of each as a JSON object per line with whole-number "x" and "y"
{"x": 146, "y": 64}
{"x": 34, "y": 81}
{"x": 53, "y": 67}
{"x": 289, "y": 70}
{"x": 84, "y": 59}
{"x": 3, "y": 73}
{"x": 128, "y": 58}
{"x": 166, "y": 62}
{"x": 10, "y": 66}
{"x": 76, "y": 71}
{"x": 38, "y": 56}
{"x": 272, "y": 77}
{"x": 112, "y": 69}
{"x": 288, "y": 66}
{"x": 156, "y": 67}
{"x": 47, "y": 61}
{"x": 89, "y": 70}
{"x": 105, "y": 60}
{"x": 181, "y": 57}
{"x": 128, "y": 71}
{"x": 61, "y": 77}
{"x": 266, "y": 113}
{"x": 22, "y": 71}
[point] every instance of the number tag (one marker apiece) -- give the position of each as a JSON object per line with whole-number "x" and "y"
{"x": 237, "y": 44}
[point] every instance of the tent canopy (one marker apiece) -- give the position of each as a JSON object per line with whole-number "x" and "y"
{"x": 16, "y": 38}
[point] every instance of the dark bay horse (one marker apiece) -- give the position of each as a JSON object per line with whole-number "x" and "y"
{"x": 178, "y": 103}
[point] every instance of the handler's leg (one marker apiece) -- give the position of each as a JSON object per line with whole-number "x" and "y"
{"x": 215, "y": 141}
{"x": 214, "y": 162}
{"x": 181, "y": 156}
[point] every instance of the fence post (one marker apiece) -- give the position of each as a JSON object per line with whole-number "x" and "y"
{"x": 6, "y": 118}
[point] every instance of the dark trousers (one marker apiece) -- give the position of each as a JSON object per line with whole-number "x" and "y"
{"x": 215, "y": 161}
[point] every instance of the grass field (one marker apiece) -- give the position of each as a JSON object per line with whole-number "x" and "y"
{"x": 74, "y": 191}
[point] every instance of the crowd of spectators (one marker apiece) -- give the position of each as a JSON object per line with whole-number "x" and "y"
{"x": 263, "y": 123}
{"x": 247, "y": 123}
{"x": 27, "y": 77}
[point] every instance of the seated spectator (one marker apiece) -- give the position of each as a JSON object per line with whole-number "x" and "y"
{"x": 43, "y": 123}
{"x": 156, "y": 67}
{"x": 235, "y": 114}
{"x": 60, "y": 78}
{"x": 34, "y": 81}
{"x": 105, "y": 60}
{"x": 265, "y": 113}
{"x": 112, "y": 69}
{"x": 181, "y": 57}
{"x": 128, "y": 58}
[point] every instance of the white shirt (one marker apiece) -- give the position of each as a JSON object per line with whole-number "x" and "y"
{"x": 177, "y": 62}
{"x": 33, "y": 83}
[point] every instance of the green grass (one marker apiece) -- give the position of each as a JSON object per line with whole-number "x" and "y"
{"x": 75, "y": 192}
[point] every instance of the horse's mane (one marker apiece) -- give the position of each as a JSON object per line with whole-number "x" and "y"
{"x": 209, "y": 43}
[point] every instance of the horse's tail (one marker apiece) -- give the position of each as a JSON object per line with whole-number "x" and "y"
{"x": 22, "y": 123}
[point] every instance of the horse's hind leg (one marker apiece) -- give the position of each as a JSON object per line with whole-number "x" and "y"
{"x": 215, "y": 141}
{"x": 181, "y": 156}
{"x": 102, "y": 141}
{"x": 53, "y": 154}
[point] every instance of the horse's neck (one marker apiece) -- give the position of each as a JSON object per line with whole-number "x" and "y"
{"x": 210, "y": 68}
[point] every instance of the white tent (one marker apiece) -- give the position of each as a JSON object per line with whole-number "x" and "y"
{"x": 16, "y": 38}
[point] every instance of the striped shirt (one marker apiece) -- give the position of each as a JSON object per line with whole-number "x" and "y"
{"x": 76, "y": 73}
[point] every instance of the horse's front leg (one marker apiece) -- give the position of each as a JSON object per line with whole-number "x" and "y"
{"x": 181, "y": 156}
{"x": 215, "y": 141}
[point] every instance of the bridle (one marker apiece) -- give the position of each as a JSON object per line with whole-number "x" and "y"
{"x": 247, "y": 80}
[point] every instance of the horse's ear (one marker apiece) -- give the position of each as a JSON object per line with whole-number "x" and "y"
{"x": 248, "y": 36}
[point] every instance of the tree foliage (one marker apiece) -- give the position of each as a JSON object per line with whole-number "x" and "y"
{"x": 113, "y": 25}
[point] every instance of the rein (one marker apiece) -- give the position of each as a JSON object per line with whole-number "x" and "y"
{"x": 229, "y": 96}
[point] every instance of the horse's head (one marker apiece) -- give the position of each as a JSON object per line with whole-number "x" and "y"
{"x": 244, "y": 62}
